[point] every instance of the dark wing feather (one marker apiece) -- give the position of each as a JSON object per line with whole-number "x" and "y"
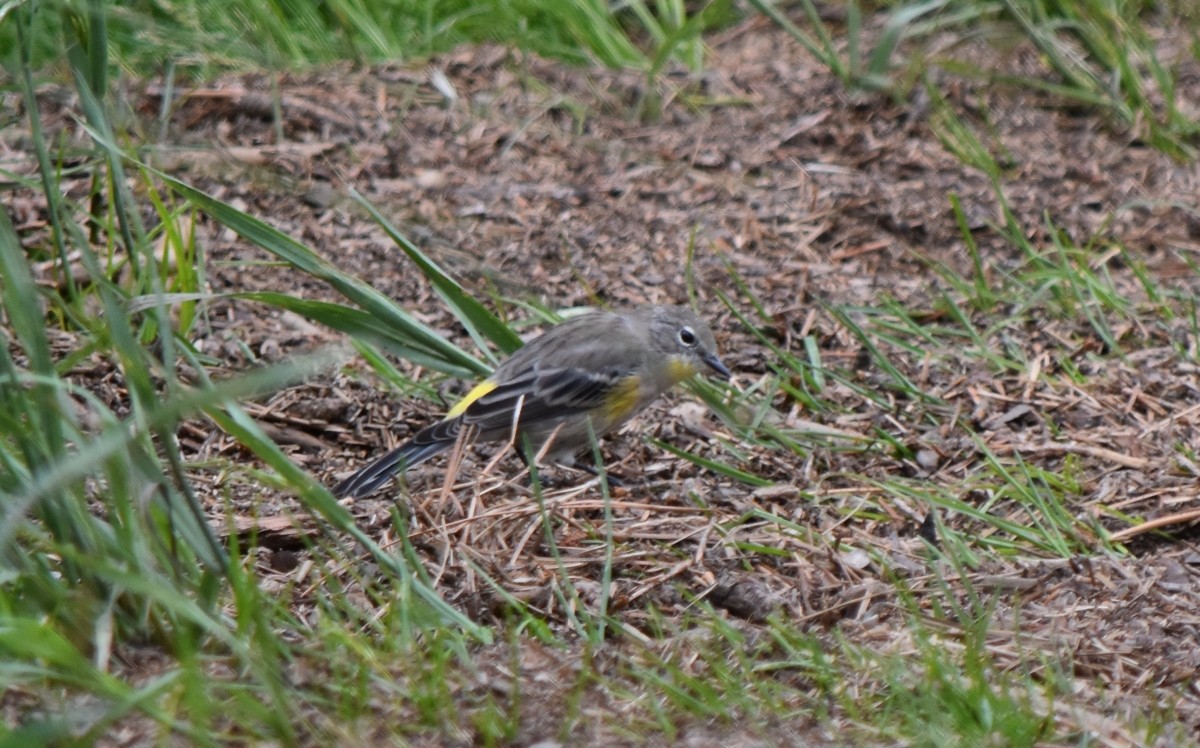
{"x": 542, "y": 394}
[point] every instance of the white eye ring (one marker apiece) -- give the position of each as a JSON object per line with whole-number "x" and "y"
{"x": 687, "y": 336}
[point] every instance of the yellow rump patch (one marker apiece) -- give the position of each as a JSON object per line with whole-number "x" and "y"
{"x": 476, "y": 392}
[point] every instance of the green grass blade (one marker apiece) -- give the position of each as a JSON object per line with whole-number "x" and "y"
{"x": 480, "y": 323}
{"x": 450, "y": 358}
{"x": 24, "y": 309}
{"x": 235, "y": 422}
{"x": 362, "y": 325}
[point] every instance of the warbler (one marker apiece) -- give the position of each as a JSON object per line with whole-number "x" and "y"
{"x": 585, "y": 376}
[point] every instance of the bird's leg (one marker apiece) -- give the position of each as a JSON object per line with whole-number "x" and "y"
{"x": 529, "y": 459}
{"x": 614, "y": 481}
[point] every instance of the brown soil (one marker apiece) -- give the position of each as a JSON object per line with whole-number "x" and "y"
{"x": 539, "y": 181}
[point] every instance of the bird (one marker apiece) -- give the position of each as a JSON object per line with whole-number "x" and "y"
{"x": 581, "y": 378}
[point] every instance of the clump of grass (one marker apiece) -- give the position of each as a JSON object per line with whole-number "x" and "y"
{"x": 105, "y": 540}
{"x": 1099, "y": 55}
{"x": 199, "y": 39}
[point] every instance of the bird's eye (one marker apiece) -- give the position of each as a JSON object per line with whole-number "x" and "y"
{"x": 687, "y": 336}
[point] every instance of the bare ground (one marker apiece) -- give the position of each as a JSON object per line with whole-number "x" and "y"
{"x": 539, "y": 180}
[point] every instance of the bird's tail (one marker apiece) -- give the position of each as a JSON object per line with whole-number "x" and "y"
{"x": 424, "y": 445}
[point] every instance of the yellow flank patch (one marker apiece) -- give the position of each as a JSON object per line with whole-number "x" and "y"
{"x": 680, "y": 369}
{"x": 476, "y": 392}
{"x": 623, "y": 399}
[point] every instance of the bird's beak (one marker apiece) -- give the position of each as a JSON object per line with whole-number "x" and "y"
{"x": 714, "y": 363}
